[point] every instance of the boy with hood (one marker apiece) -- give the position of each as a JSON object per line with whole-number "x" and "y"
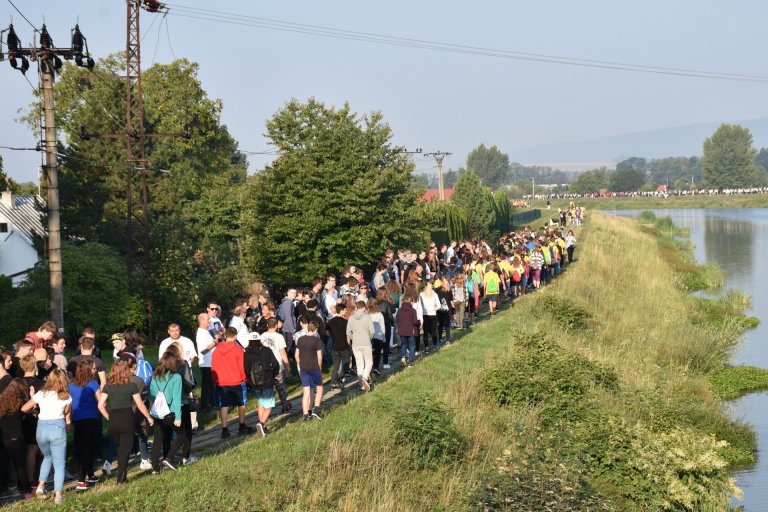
{"x": 228, "y": 369}
{"x": 359, "y": 333}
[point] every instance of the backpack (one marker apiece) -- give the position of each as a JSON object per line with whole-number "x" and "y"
{"x": 262, "y": 374}
{"x": 160, "y": 407}
{"x": 144, "y": 370}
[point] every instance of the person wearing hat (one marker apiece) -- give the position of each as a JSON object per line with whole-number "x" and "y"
{"x": 45, "y": 365}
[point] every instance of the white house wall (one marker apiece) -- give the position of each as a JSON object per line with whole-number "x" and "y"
{"x": 16, "y": 255}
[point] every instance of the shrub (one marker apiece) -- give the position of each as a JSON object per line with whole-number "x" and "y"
{"x": 538, "y": 372}
{"x": 426, "y": 423}
{"x": 736, "y": 381}
{"x": 647, "y": 217}
{"x": 567, "y": 312}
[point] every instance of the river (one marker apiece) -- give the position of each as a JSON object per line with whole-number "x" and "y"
{"x": 737, "y": 239}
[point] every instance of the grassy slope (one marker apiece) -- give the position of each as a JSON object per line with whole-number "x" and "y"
{"x": 645, "y": 203}
{"x": 356, "y": 459}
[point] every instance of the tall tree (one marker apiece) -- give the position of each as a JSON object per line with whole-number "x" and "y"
{"x": 729, "y": 159}
{"x": 632, "y": 164}
{"x": 476, "y": 201}
{"x": 627, "y": 180}
{"x": 339, "y": 193}
{"x": 589, "y": 182}
{"x": 490, "y": 165}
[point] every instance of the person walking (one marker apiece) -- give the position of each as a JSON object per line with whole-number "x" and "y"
{"x": 118, "y": 398}
{"x": 360, "y": 332}
{"x": 309, "y": 358}
{"x": 229, "y": 377}
{"x": 54, "y": 420}
{"x": 261, "y": 369}
{"x": 407, "y": 324}
{"x": 165, "y": 394}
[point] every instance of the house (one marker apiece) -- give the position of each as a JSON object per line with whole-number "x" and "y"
{"x": 20, "y": 225}
{"x": 433, "y": 193}
{"x": 661, "y": 189}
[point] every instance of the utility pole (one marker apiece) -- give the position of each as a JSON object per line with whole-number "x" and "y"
{"x": 49, "y": 62}
{"x": 439, "y": 156}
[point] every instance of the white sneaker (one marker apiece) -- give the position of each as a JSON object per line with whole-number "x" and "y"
{"x": 145, "y": 464}
{"x": 386, "y": 367}
{"x": 416, "y": 353}
{"x": 107, "y": 468}
{"x": 191, "y": 460}
{"x": 403, "y": 360}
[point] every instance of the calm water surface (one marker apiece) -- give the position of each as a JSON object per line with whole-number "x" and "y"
{"x": 737, "y": 239}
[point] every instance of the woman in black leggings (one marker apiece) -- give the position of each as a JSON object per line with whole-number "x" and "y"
{"x": 11, "y": 400}
{"x": 121, "y": 395}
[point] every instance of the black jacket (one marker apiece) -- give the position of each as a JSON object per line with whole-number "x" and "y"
{"x": 258, "y": 354}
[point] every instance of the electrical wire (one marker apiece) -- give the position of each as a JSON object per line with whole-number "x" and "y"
{"x": 168, "y": 34}
{"x": 100, "y": 104}
{"x": 12, "y": 148}
{"x": 286, "y": 26}
{"x": 22, "y": 15}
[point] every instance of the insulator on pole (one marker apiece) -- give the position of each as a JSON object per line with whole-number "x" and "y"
{"x": 46, "y": 42}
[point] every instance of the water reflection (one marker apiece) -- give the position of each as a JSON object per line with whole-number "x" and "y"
{"x": 737, "y": 239}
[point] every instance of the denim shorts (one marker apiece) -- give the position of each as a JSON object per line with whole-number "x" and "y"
{"x": 311, "y": 379}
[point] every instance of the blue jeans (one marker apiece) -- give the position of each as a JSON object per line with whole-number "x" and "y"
{"x": 52, "y": 440}
{"x": 408, "y": 347}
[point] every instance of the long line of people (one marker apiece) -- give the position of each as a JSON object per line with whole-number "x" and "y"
{"x": 412, "y": 302}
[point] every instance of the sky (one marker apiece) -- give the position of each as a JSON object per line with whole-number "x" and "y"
{"x": 434, "y": 100}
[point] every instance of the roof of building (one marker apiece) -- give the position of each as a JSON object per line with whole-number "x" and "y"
{"x": 661, "y": 188}
{"x": 433, "y": 193}
{"x": 24, "y": 216}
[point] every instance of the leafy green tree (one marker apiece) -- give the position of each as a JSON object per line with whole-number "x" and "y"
{"x": 490, "y": 165}
{"x": 761, "y": 158}
{"x": 477, "y": 203}
{"x": 446, "y": 221}
{"x": 682, "y": 184}
{"x": 627, "y": 180}
{"x": 449, "y": 178}
{"x": 96, "y": 294}
{"x": 632, "y": 164}
{"x": 502, "y": 212}
{"x": 591, "y": 181}
{"x": 729, "y": 159}
{"x": 339, "y": 193}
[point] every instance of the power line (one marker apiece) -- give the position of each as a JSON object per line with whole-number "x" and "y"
{"x": 13, "y": 148}
{"x": 317, "y": 30}
{"x": 25, "y": 18}
{"x": 168, "y": 34}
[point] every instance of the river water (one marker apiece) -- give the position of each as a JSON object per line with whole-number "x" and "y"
{"x": 737, "y": 239}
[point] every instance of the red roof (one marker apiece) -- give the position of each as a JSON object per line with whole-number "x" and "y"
{"x": 433, "y": 193}
{"x": 661, "y": 188}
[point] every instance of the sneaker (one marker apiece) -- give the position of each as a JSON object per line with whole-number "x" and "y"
{"x": 169, "y": 464}
{"x": 40, "y": 493}
{"x": 386, "y": 367}
{"x": 82, "y": 486}
{"x": 416, "y": 353}
{"x": 287, "y": 407}
{"x": 403, "y": 361}
{"x": 107, "y": 468}
{"x": 189, "y": 460}
{"x": 447, "y": 343}
{"x": 93, "y": 479}
{"x": 410, "y": 365}
{"x": 266, "y": 431}
{"x": 245, "y": 430}
{"x": 59, "y": 500}
{"x": 225, "y": 433}
{"x": 307, "y": 418}
{"x": 376, "y": 372}
{"x": 316, "y": 413}
{"x": 145, "y": 465}
{"x": 364, "y": 384}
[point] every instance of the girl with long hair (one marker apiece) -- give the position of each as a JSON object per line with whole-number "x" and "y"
{"x": 85, "y": 393}
{"x": 11, "y": 400}
{"x": 165, "y": 380}
{"x": 122, "y": 394}
{"x": 54, "y": 420}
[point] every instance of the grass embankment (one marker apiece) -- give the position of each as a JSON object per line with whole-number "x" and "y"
{"x": 644, "y": 203}
{"x": 589, "y": 395}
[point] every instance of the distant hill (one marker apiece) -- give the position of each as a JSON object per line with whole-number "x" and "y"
{"x": 676, "y": 141}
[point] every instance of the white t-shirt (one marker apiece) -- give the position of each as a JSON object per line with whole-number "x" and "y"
{"x": 242, "y": 331}
{"x": 188, "y": 348}
{"x": 204, "y": 339}
{"x": 274, "y": 341}
{"x": 51, "y": 408}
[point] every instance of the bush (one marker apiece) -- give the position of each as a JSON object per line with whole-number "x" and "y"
{"x": 538, "y": 372}
{"x": 426, "y": 423}
{"x": 736, "y": 381}
{"x": 568, "y": 313}
{"x": 648, "y": 217}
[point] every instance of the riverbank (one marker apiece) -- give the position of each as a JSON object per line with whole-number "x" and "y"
{"x": 591, "y": 394}
{"x": 653, "y": 203}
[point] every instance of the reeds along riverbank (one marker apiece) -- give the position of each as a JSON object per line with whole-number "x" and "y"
{"x": 591, "y": 394}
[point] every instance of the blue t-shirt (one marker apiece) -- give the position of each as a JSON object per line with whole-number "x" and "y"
{"x": 84, "y": 403}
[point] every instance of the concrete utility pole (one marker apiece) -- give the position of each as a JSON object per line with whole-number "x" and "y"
{"x": 52, "y": 174}
{"x": 439, "y": 156}
{"x": 48, "y": 57}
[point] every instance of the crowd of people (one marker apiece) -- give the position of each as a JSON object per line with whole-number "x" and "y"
{"x": 413, "y": 302}
{"x": 663, "y": 192}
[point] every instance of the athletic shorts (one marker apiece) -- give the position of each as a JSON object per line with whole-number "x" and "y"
{"x": 265, "y": 398}
{"x": 231, "y": 396}
{"x": 492, "y": 297}
{"x": 311, "y": 379}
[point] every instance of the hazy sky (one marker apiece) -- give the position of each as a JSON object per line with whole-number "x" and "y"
{"x": 435, "y": 100}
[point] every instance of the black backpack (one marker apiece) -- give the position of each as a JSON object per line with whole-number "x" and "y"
{"x": 262, "y": 373}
